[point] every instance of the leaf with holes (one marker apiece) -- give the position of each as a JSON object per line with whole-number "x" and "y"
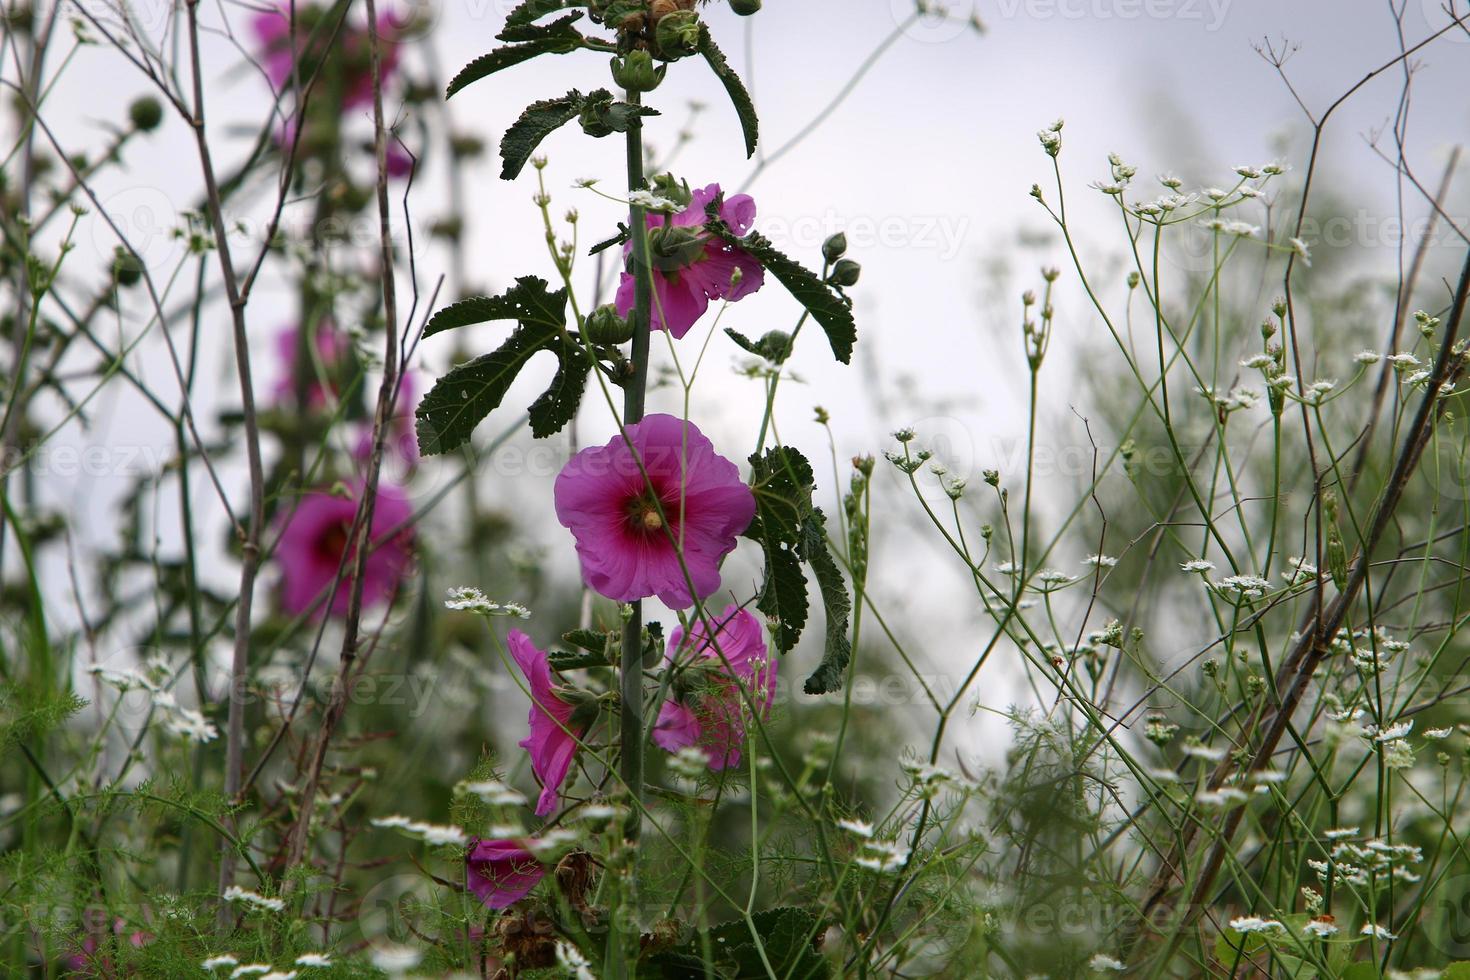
{"x": 782, "y": 483}
{"x": 538, "y": 121}
{"x": 734, "y": 88}
{"x": 558, "y": 403}
{"x": 558, "y": 37}
{"x": 450, "y": 411}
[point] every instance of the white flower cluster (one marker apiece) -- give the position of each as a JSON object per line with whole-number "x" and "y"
{"x": 237, "y": 894}
{"x": 154, "y": 677}
{"x": 430, "y": 833}
{"x": 570, "y": 959}
{"x": 494, "y": 792}
{"x": 882, "y": 856}
{"x": 1362, "y": 864}
{"x": 470, "y": 599}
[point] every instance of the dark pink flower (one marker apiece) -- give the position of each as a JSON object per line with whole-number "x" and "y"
{"x": 501, "y": 872}
{"x": 551, "y": 743}
{"x": 629, "y": 545}
{"x": 687, "y": 274}
{"x": 714, "y": 671}
{"x": 316, "y": 537}
{"x": 347, "y": 52}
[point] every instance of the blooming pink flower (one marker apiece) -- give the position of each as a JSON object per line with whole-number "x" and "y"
{"x": 685, "y": 282}
{"x": 551, "y": 743}
{"x": 626, "y": 549}
{"x": 316, "y": 537}
{"x": 501, "y": 872}
{"x": 710, "y": 716}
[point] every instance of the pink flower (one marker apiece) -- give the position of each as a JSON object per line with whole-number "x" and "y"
{"x": 551, "y": 743}
{"x": 316, "y": 537}
{"x": 349, "y": 51}
{"x": 322, "y": 376}
{"x": 501, "y": 872}
{"x": 625, "y": 548}
{"x": 711, "y": 714}
{"x": 691, "y": 268}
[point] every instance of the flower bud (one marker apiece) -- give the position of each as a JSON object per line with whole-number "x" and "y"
{"x": 670, "y": 189}
{"x": 675, "y": 246}
{"x": 834, "y": 247}
{"x": 126, "y": 269}
{"x": 745, "y": 7}
{"x": 636, "y": 72}
{"x": 676, "y": 35}
{"x": 845, "y": 273}
{"x": 145, "y": 114}
{"x": 604, "y": 326}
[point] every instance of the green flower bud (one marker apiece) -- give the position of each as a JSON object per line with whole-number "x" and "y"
{"x": 593, "y": 121}
{"x": 673, "y": 247}
{"x": 636, "y": 72}
{"x": 666, "y": 187}
{"x": 745, "y": 7}
{"x": 145, "y": 114}
{"x": 835, "y": 247}
{"x": 126, "y": 269}
{"x": 845, "y": 273}
{"x": 604, "y": 326}
{"x": 466, "y": 147}
{"x": 677, "y": 35}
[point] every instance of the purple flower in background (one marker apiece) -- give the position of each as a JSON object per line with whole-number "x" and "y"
{"x": 687, "y": 278}
{"x": 630, "y": 533}
{"x": 348, "y": 50}
{"x": 501, "y": 872}
{"x": 322, "y": 376}
{"x": 551, "y": 743}
{"x": 711, "y": 717}
{"x": 316, "y": 541}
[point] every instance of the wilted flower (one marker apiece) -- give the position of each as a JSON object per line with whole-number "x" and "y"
{"x": 631, "y": 533}
{"x": 501, "y": 872}
{"x": 711, "y": 714}
{"x": 692, "y": 267}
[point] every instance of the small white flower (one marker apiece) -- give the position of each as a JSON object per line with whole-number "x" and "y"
{"x": 1438, "y": 733}
{"x": 1216, "y": 193}
{"x": 1299, "y": 570}
{"x": 249, "y": 970}
{"x": 652, "y": 202}
{"x": 1376, "y": 931}
{"x": 1402, "y": 360}
{"x": 690, "y": 762}
{"x": 1254, "y": 923}
{"x": 215, "y": 962}
{"x": 313, "y": 959}
{"x": 279, "y": 975}
{"x": 237, "y": 894}
{"x": 1268, "y": 776}
{"x": 1300, "y": 248}
{"x": 1247, "y": 586}
{"x": 1259, "y": 361}
{"x": 1395, "y": 731}
{"x": 1199, "y": 750}
{"x": 395, "y": 959}
{"x": 1102, "y": 961}
{"x": 1340, "y": 833}
{"x": 1225, "y": 796}
{"x": 428, "y": 832}
{"x": 882, "y": 856}
{"x": 1197, "y": 565}
{"x": 470, "y": 599}
{"x": 1052, "y": 578}
{"x": 495, "y": 793}
{"x": 1321, "y": 928}
{"x": 1367, "y": 357}
{"x": 1398, "y": 754}
{"x": 191, "y": 726}
{"x": 859, "y": 827}
{"x": 1104, "y": 561}
{"x": 1249, "y": 172}
{"x": 570, "y": 959}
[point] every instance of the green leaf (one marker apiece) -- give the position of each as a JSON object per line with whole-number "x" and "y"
{"x": 787, "y": 935}
{"x": 830, "y": 309}
{"x": 734, "y": 87}
{"x": 680, "y": 965}
{"x": 529, "y": 301}
{"x": 459, "y": 400}
{"x": 558, "y": 404}
{"x": 558, "y": 37}
{"x": 539, "y": 121}
{"x": 618, "y": 239}
{"x": 831, "y": 672}
{"x": 774, "y": 345}
{"x": 603, "y": 116}
{"x": 782, "y": 483}
{"x": 532, "y": 10}
{"x": 1456, "y": 971}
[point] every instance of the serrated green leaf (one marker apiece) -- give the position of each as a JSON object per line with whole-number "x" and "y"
{"x": 578, "y": 660}
{"x": 603, "y": 116}
{"x": 829, "y": 308}
{"x": 618, "y": 239}
{"x": 532, "y": 10}
{"x": 831, "y": 672}
{"x": 452, "y": 408}
{"x": 558, "y": 37}
{"x": 594, "y": 640}
{"x": 782, "y": 484}
{"x": 557, "y": 405}
{"x": 528, "y": 301}
{"x": 680, "y": 965}
{"x": 538, "y": 121}
{"x": 734, "y": 87}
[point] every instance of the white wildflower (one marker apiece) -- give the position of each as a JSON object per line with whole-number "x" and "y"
{"x": 1438, "y": 733}
{"x": 1254, "y": 923}
{"x": 652, "y": 202}
{"x": 494, "y": 792}
{"x": 395, "y": 959}
{"x": 190, "y": 725}
{"x": 1259, "y": 362}
{"x": 313, "y": 959}
{"x": 215, "y": 962}
{"x": 1321, "y": 927}
{"x": 1102, "y": 961}
{"x": 859, "y": 827}
{"x": 1199, "y": 750}
{"x": 1376, "y": 931}
{"x": 1395, "y": 731}
{"x": 1300, "y": 248}
{"x": 1197, "y": 565}
{"x": 1225, "y": 796}
{"x": 570, "y": 959}
{"x": 470, "y": 599}
{"x": 1340, "y": 833}
{"x": 1247, "y": 586}
{"x": 249, "y": 970}
{"x": 1104, "y": 561}
{"x": 237, "y": 894}
{"x": 882, "y": 855}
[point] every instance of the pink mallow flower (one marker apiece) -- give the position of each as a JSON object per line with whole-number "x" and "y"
{"x": 630, "y": 533}
{"x": 349, "y": 50}
{"x": 316, "y": 538}
{"x": 501, "y": 872}
{"x": 551, "y": 744}
{"x": 322, "y": 376}
{"x": 711, "y": 714}
{"x": 690, "y": 268}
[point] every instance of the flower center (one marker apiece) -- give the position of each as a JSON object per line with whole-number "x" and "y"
{"x": 333, "y": 542}
{"x": 643, "y": 513}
